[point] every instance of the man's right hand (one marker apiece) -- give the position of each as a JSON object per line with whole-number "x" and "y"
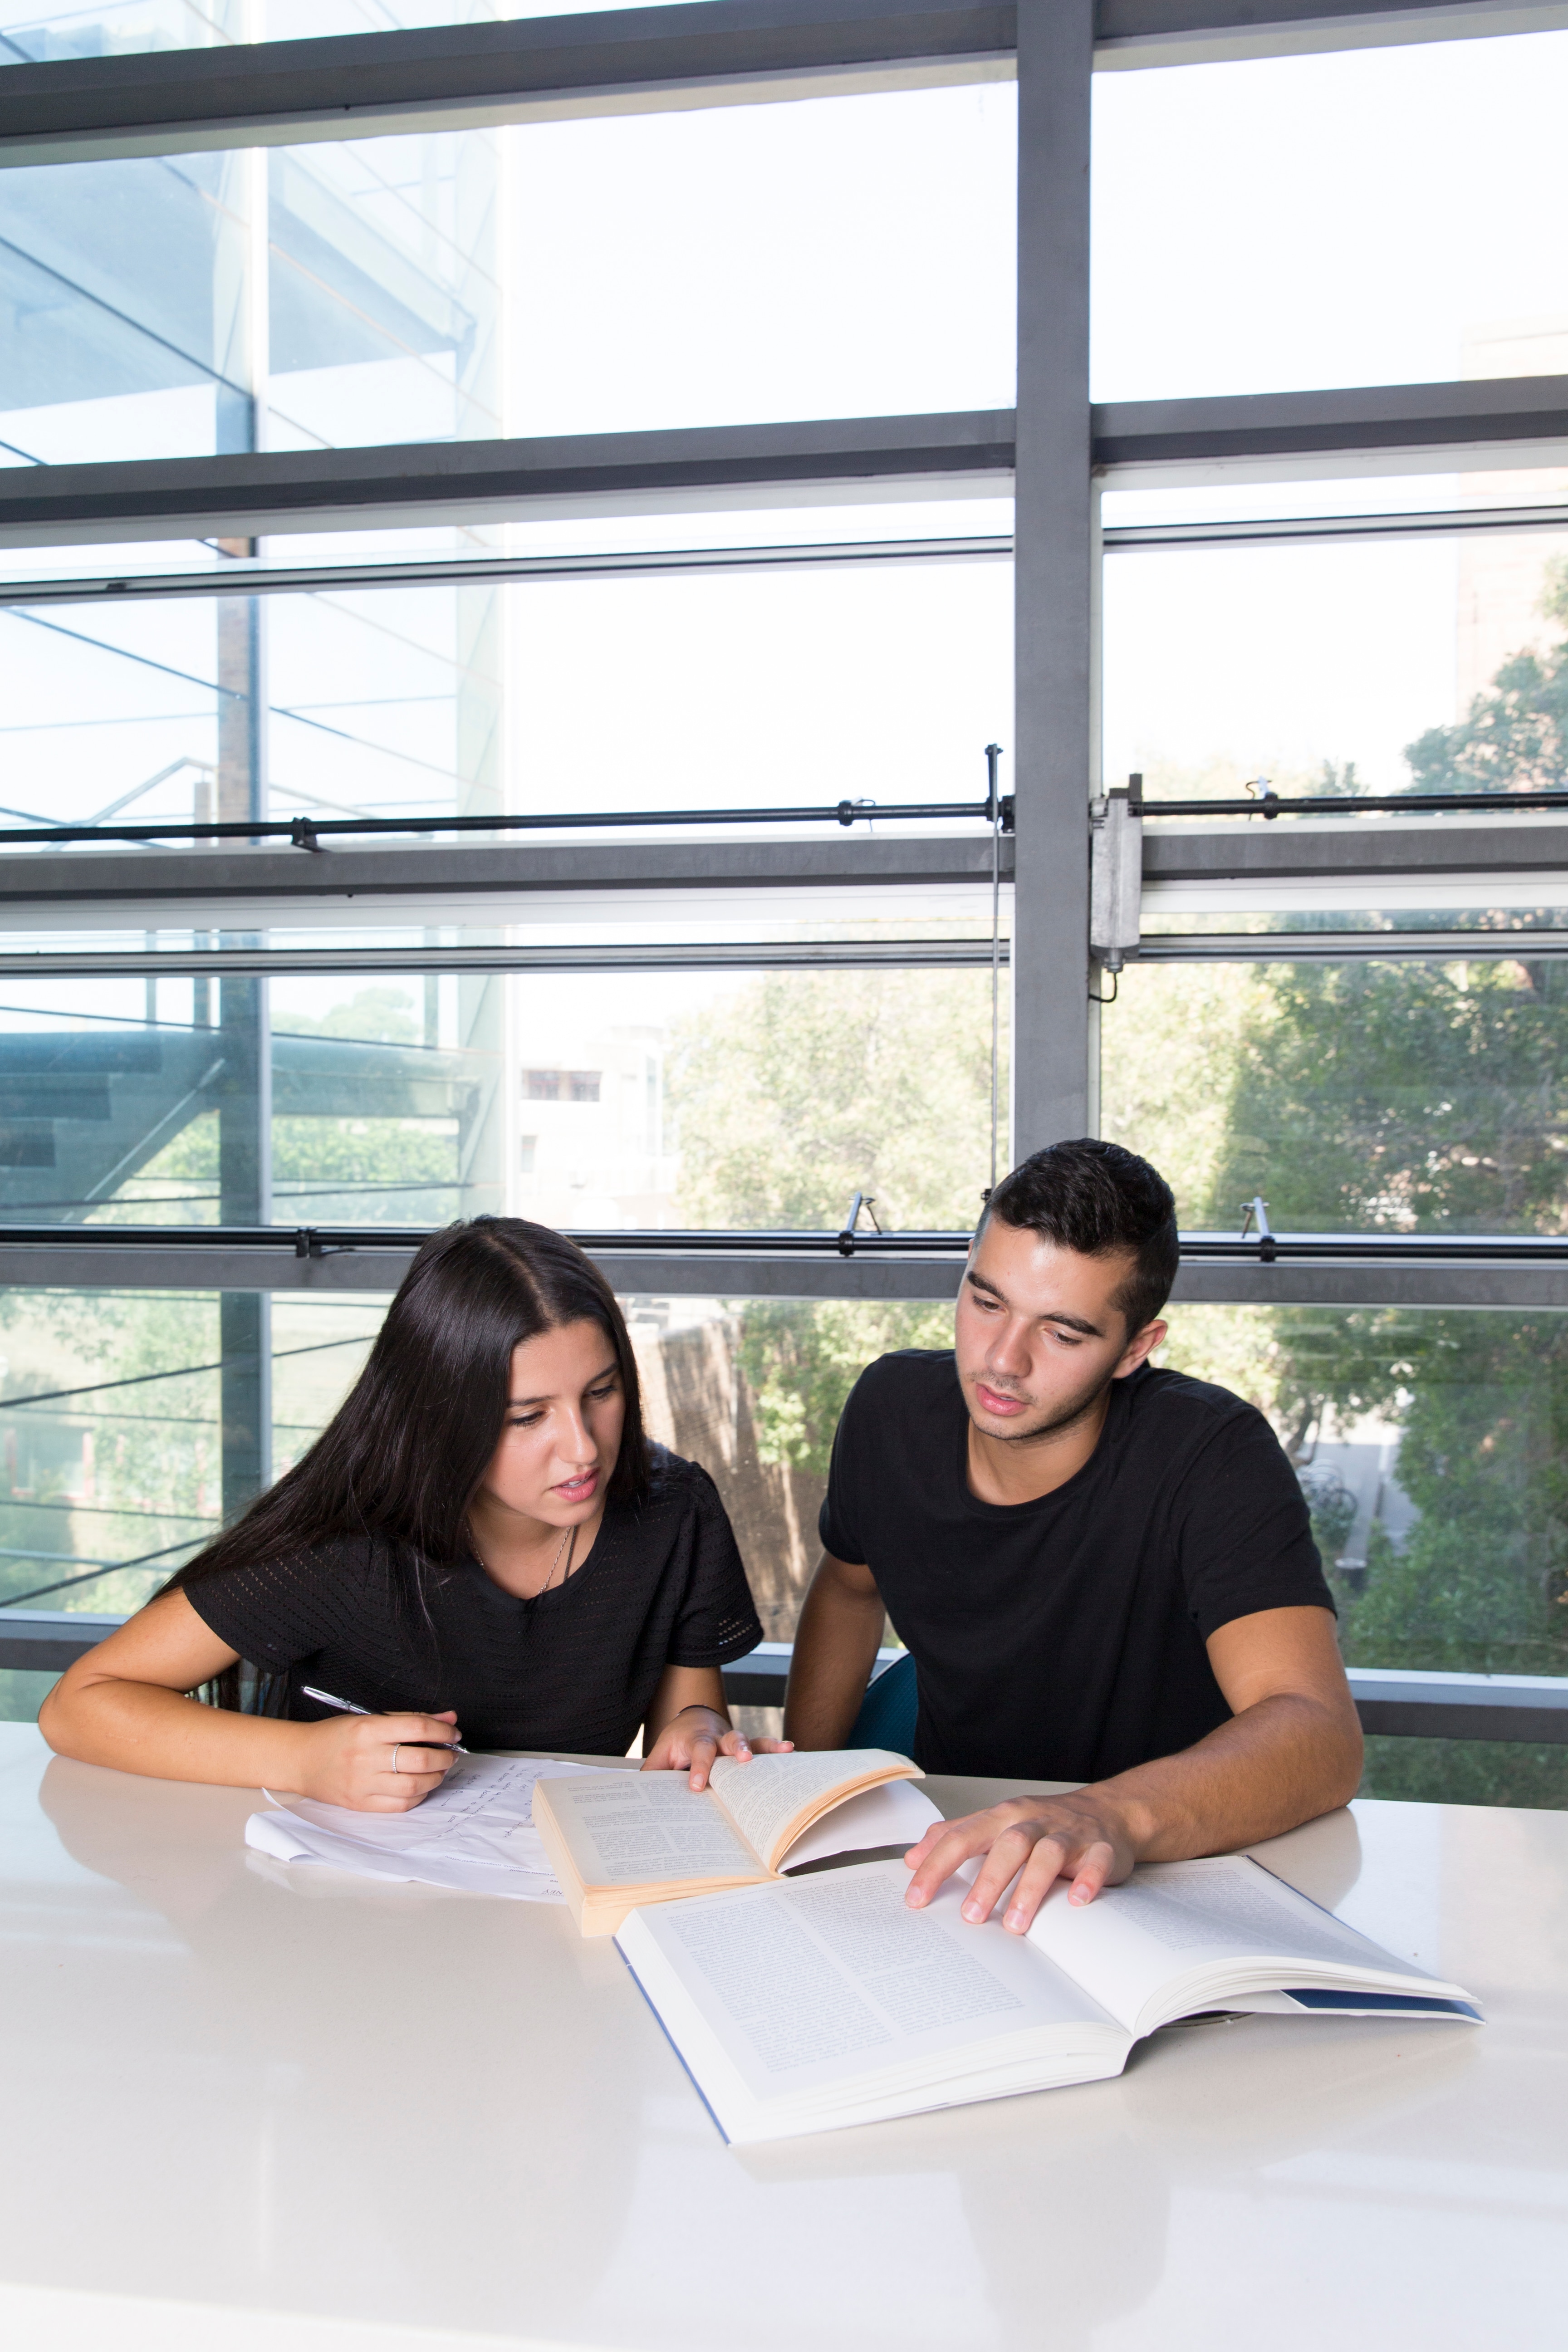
{"x": 1086, "y": 1836}
{"x": 348, "y": 1760}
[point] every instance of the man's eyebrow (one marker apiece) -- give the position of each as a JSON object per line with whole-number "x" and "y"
{"x": 1056, "y": 1315}
{"x": 1075, "y": 1323}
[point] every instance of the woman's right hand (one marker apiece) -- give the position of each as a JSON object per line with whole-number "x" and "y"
{"x": 348, "y": 1760}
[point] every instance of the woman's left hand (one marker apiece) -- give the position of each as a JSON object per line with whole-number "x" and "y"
{"x": 690, "y": 1742}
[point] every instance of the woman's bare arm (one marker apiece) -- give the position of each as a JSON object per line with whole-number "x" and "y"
{"x": 125, "y": 1705}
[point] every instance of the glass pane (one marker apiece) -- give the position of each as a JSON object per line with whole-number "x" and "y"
{"x": 551, "y": 278}
{"x": 1417, "y": 1096}
{"x": 846, "y": 521}
{"x": 768, "y": 688}
{"x": 1372, "y": 217}
{"x": 1425, "y": 1442}
{"x": 1298, "y": 496}
{"x": 650, "y": 929}
{"x": 1431, "y": 664}
{"x": 1428, "y": 1444}
{"x": 150, "y": 1427}
{"x": 589, "y": 1100}
{"x": 141, "y": 1439}
{"x": 118, "y": 28}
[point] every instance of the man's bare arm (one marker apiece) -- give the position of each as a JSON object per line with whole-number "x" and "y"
{"x": 836, "y": 1645}
{"x": 1291, "y": 1750}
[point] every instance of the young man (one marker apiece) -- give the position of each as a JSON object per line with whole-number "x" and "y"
{"x": 1105, "y": 1573}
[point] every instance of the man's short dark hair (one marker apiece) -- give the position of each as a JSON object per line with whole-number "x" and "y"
{"x": 1099, "y": 1199}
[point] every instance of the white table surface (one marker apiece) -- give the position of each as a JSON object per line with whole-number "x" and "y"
{"x": 251, "y": 2106}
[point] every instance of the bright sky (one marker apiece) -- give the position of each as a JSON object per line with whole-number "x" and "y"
{"x": 1367, "y": 217}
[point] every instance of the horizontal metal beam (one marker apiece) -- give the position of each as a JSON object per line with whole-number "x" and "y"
{"x": 720, "y": 52}
{"x": 292, "y": 962}
{"x": 220, "y": 1264}
{"x": 1312, "y": 849}
{"x": 47, "y": 1641}
{"x": 758, "y": 1679}
{"x": 422, "y": 482}
{"x": 491, "y": 869}
{"x": 1409, "y": 1704}
{"x": 454, "y": 77}
{"x": 1331, "y": 947}
{"x": 1351, "y": 1282}
{"x": 469, "y": 571}
{"x": 1493, "y": 412}
{"x": 1415, "y": 1705}
{"x": 1318, "y": 530}
{"x": 269, "y": 492}
{"x": 1523, "y": 1273}
{"x": 1134, "y": 34}
{"x": 1260, "y": 852}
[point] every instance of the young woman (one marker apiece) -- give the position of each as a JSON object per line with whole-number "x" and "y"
{"x": 481, "y": 1547}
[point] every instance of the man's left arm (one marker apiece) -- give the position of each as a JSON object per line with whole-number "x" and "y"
{"x": 1292, "y": 1750}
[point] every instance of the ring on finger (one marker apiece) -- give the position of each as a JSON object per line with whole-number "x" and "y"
{"x": 394, "y": 1763}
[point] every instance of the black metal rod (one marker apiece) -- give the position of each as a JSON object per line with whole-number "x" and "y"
{"x": 1197, "y": 1248}
{"x": 1384, "y": 804}
{"x": 307, "y": 833}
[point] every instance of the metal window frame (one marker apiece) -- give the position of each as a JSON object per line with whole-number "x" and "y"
{"x": 1519, "y": 1708}
{"x": 715, "y": 52}
{"x": 727, "y": 52}
{"x": 1505, "y": 421}
{"x": 1048, "y": 449}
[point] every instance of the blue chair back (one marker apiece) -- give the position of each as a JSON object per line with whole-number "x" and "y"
{"x": 888, "y": 1711}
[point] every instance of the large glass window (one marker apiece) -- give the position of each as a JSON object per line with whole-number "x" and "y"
{"x": 116, "y": 1463}
{"x": 1375, "y": 666}
{"x": 591, "y": 1100}
{"x": 1410, "y": 1097}
{"x": 117, "y": 27}
{"x": 1369, "y": 216}
{"x": 176, "y": 306}
{"x": 549, "y": 277}
{"x": 1429, "y": 1443}
{"x": 776, "y": 688}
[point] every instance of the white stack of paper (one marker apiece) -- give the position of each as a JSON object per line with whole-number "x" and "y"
{"x": 475, "y": 1833}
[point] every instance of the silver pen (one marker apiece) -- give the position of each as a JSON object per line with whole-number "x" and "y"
{"x": 347, "y": 1706}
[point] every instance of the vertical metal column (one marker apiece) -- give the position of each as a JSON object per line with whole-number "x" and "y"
{"x": 245, "y": 1198}
{"x": 244, "y": 1089}
{"x": 485, "y": 1155}
{"x": 1052, "y": 1036}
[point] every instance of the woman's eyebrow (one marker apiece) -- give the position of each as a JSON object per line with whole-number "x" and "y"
{"x": 517, "y": 1404}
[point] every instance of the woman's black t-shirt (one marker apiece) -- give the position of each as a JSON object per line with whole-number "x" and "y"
{"x": 1063, "y": 1639}
{"x": 574, "y": 1668}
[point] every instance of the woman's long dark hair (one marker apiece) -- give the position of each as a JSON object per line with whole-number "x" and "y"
{"x": 403, "y": 1456}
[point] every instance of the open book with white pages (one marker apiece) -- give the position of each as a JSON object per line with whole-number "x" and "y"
{"x": 808, "y": 2004}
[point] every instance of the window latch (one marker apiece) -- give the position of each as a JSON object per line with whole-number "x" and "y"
{"x": 1116, "y": 873}
{"x": 846, "y": 1238}
{"x": 1255, "y": 1213}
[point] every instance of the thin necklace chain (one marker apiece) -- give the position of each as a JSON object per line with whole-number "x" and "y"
{"x": 564, "y": 1549}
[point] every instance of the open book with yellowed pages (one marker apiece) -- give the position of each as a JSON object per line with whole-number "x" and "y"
{"x": 618, "y": 1840}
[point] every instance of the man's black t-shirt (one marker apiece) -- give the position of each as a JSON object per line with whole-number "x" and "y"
{"x": 574, "y": 1668}
{"x": 1063, "y": 1639}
